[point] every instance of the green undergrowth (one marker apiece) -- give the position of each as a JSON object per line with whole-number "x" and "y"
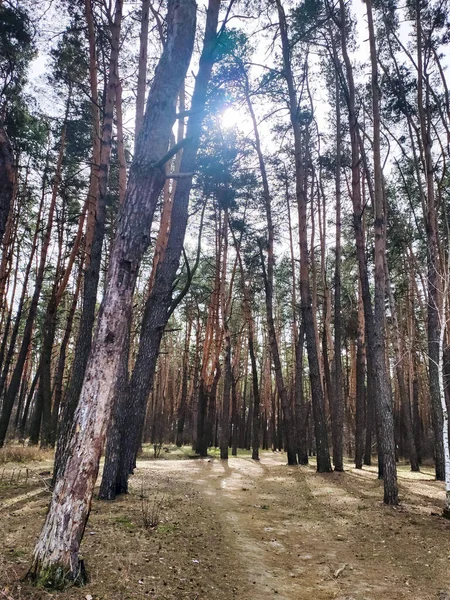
{"x": 172, "y": 452}
{"x": 241, "y": 453}
{"x": 57, "y": 576}
{"x": 166, "y": 452}
{"x": 125, "y": 521}
{"x": 167, "y": 528}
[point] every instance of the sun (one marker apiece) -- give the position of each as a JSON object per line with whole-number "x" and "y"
{"x": 233, "y": 117}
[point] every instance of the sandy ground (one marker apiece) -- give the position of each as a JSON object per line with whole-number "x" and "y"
{"x": 243, "y": 530}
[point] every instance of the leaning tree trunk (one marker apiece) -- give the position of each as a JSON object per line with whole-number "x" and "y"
{"x": 56, "y": 556}
{"x": 113, "y": 443}
{"x": 158, "y": 307}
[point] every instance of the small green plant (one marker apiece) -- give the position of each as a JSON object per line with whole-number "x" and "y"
{"x": 125, "y": 521}
{"x": 166, "y": 528}
{"x": 17, "y": 553}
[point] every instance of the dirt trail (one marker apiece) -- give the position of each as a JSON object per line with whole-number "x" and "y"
{"x": 301, "y": 535}
{"x": 245, "y": 531}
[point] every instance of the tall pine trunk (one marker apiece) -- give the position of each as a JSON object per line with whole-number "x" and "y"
{"x": 8, "y": 176}
{"x": 56, "y": 556}
{"x": 318, "y": 402}
{"x": 337, "y": 400}
{"x": 400, "y": 371}
{"x": 158, "y": 306}
{"x": 383, "y": 398}
{"x": 360, "y": 417}
{"x": 14, "y": 384}
{"x": 228, "y": 372}
{"x": 433, "y": 262}
{"x": 60, "y": 367}
{"x": 268, "y": 275}
{"x": 95, "y": 229}
{"x": 247, "y": 307}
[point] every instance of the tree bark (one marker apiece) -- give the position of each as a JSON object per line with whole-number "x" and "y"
{"x": 210, "y": 371}
{"x": 158, "y": 305}
{"x": 301, "y": 406}
{"x": 228, "y": 372}
{"x": 268, "y": 287}
{"x": 7, "y": 179}
{"x": 247, "y": 306}
{"x": 433, "y": 263}
{"x": 399, "y": 371}
{"x": 109, "y": 484}
{"x": 337, "y": 400}
{"x": 142, "y": 69}
{"x": 59, "y": 373}
{"x": 375, "y": 355}
{"x": 382, "y": 391}
{"x": 56, "y": 556}
{"x": 360, "y": 388}
{"x": 182, "y": 407}
{"x": 26, "y": 410}
{"x": 95, "y": 229}
{"x": 11, "y": 336}
{"x": 318, "y": 403}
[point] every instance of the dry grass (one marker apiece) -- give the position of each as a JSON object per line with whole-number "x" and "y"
{"x": 150, "y": 509}
{"x": 15, "y": 453}
{"x": 182, "y": 558}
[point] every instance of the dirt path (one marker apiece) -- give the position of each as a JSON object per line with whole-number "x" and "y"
{"x": 246, "y": 531}
{"x": 301, "y": 535}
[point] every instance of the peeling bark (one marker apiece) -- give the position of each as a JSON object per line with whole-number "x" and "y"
{"x": 56, "y": 556}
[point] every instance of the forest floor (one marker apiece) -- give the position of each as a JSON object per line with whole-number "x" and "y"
{"x": 242, "y": 530}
